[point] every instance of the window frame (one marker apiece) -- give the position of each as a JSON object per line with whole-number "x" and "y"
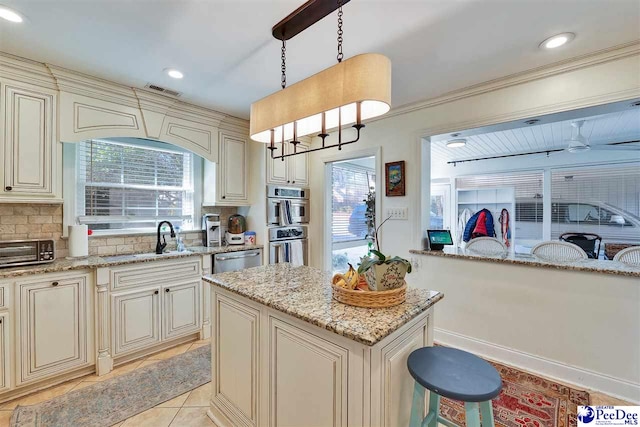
{"x": 71, "y": 185}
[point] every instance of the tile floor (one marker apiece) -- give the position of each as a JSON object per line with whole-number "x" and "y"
{"x": 187, "y": 410}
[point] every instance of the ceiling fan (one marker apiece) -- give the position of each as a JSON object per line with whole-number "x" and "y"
{"x": 580, "y": 144}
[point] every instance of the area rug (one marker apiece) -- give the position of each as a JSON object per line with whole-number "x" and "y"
{"x": 526, "y": 400}
{"x": 110, "y": 402}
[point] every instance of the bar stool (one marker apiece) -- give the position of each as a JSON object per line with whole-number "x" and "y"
{"x": 454, "y": 374}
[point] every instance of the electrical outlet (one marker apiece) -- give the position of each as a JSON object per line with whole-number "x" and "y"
{"x": 397, "y": 213}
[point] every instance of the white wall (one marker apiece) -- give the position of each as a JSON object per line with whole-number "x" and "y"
{"x": 603, "y": 78}
{"x": 580, "y": 327}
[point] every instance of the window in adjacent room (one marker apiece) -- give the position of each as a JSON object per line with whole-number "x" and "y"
{"x": 133, "y": 185}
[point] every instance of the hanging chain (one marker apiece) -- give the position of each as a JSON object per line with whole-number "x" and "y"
{"x": 283, "y": 67}
{"x": 340, "y": 31}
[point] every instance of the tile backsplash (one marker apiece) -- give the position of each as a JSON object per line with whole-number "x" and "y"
{"x": 20, "y": 221}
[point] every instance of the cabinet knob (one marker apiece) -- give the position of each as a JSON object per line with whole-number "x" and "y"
{"x": 288, "y": 182}
{"x": 224, "y": 197}
{"x": 293, "y": 182}
{"x": 0, "y": 320}
{"x": 167, "y": 290}
{"x": 54, "y": 283}
{"x": 8, "y": 188}
{"x": 156, "y": 292}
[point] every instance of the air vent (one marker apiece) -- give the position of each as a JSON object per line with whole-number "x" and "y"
{"x": 162, "y": 90}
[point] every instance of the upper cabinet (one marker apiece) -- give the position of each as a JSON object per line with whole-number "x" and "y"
{"x": 225, "y": 183}
{"x": 29, "y": 149}
{"x": 293, "y": 170}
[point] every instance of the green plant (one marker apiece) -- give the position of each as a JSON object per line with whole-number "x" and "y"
{"x": 368, "y": 262}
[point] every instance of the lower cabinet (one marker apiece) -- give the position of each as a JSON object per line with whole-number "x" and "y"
{"x": 54, "y": 330}
{"x": 5, "y": 382}
{"x": 181, "y": 309}
{"x": 146, "y": 317}
{"x": 136, "y": 320}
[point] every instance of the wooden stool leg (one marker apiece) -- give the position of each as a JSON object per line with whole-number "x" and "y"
{"x": 417, "y": 407}
{"x": 472, "y": 414}
{"x": 434, "y": 408}
{"x": 486, "y": 410}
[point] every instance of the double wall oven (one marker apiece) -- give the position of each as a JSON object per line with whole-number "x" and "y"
{"x": 287, "y": 217}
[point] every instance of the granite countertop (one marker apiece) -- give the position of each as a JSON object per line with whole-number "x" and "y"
{"x": 305, "y": 292}
{"x": 65, "y": 264}
{"x": 592, "y": 265}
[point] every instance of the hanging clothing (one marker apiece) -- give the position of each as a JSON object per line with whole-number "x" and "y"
{"x": 485, "y": 227}
{"x": 463, "y": 218}
{"x": 481, "y": 227}
{"x": 504, "y": 227}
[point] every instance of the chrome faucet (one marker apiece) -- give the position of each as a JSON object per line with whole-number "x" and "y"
{"x": 160, "y": 246}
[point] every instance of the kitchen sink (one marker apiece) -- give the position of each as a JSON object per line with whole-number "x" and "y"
{"x": 155, "y": 255}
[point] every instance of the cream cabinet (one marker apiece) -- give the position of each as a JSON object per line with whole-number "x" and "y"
{"x": 136, "y": 320}
{"x": 271, "y": 369}
{"x": 150, "y": 304}
{"x": 181, "y": 309}
{"x": 5, "y": 359}
{"x": 225, "y": 183}
{"x": 29, "y": 148}
{"x": 54, "y": 330}
{"x": 293, "y": 170}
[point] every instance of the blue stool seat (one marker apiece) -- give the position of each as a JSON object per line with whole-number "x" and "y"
{"x": 454, "y": 374}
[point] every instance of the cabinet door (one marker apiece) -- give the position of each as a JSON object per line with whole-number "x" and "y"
{"x": 181, "y": 309}
{"x": 233, "y": 158}
{"x": 323, "y": 377}
{"x": 236, "y": 330}
{"x": 277, "y": 170}
{"x": 54, "y": 327}
{"x": 30, "y": 149}
{"x": 299, "y": 167}
{"x": 4, "y": 352}
{"x": 136, "y": 320}
{"x": 397, "y": 392}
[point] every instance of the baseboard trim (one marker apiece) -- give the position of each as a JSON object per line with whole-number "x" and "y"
{"x": 581, "y": 378}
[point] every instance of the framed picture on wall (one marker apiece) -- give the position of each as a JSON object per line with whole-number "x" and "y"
{"x": 394, "y": 178}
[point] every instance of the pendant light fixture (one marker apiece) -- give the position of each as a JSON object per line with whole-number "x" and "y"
{"x": 347, "y": 93}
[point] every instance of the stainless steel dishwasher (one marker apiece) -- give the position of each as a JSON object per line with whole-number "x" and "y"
{"x": 239, "y": 260}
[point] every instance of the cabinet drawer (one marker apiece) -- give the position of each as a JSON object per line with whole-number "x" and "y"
{"x": 150, "y": 273}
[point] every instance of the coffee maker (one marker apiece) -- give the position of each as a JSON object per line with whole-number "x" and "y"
{"x": 236, "y": 227}
{"x": 211, "y": 227}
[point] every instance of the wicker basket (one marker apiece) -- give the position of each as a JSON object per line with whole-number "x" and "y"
{"x": 370, "y": 299}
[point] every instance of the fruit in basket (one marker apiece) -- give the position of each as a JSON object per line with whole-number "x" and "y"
{"x": 348, "y": 280}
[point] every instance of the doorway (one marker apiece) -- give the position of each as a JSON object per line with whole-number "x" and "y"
{"x": 351, "y": 210}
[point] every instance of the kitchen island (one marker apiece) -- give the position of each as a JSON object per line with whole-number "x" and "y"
{"x": 284, "y": 353}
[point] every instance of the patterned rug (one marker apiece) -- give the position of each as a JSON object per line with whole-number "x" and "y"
{"x": 110, "y": 402}
{"x": 526, "y": 400}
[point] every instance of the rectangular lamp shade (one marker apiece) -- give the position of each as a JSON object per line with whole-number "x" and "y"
{"x": 363, "y": 78}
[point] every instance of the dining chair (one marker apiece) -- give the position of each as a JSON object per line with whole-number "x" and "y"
{"x": 629, "y": 256}
{"x": 558, "y": 251}
{"x": 486, "y": 246}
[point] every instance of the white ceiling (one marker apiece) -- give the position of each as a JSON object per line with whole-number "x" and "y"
{"x": 619, "y": 126}
{"x": 225, "y": 48}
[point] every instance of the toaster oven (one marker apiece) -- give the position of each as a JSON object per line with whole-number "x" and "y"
{"x": 25, "y": 252}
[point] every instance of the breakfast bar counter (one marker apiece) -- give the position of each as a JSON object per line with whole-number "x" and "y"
{"x": 285, "y": 353}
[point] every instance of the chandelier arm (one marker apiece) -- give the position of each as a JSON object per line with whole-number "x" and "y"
{"x": 311, "y": 150}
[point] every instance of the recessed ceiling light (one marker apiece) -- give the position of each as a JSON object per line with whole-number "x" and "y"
{"x": 10, "y": 15}
{"x": 172, "y": 72}
{"x": 557, "y": 40}
{"x": 457, "y": 143}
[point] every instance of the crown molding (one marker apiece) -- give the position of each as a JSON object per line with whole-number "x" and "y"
{"x": 27, "y": 71}
{"x": 576, "y": 63}
{"x": 70, "y": 81}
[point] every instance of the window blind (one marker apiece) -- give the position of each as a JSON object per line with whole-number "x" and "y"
{"x": 604, "y": 200}
{"x": 131, "y": 186}
{"x": 350, "y": 186}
